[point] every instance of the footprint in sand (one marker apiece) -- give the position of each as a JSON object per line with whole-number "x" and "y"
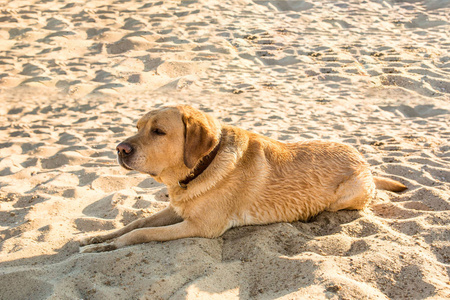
{"x": 56, "y": 24}
{"x": 134, "y": 24}
{"x": 18, "y": 32}
{"x": 32, "y": 70}
{"x": 68, "y": 139}
{"x": 127, "y": 44}
{"x": 103, "y": 76}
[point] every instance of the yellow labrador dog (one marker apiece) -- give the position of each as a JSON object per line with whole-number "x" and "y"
{"x": 221, "y": 176}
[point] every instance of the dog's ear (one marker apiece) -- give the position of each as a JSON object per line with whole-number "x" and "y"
{"x": 202, "y": 134}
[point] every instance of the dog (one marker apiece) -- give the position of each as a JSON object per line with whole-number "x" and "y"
{"x": 220, "y": 176}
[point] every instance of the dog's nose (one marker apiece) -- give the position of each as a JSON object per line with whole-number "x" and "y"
{"x": 124, "y": 149}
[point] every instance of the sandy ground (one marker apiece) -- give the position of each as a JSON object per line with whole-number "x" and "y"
{"x": 76, "y": 76}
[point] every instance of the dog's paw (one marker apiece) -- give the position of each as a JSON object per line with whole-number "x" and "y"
{"x": 88, "y": 240}
{"x": 98, "y": 248}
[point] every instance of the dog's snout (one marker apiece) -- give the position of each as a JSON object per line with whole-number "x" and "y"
{"x": 124, "y": 149}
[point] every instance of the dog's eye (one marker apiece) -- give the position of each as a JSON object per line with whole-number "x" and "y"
{"x": 158, "y": 131}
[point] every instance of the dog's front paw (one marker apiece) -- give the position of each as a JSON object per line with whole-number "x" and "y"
{"x": 98, "y": 248}
{"x": 88, "y": 240}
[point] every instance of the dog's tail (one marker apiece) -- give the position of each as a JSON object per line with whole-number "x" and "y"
{"x": 388, "y": 184}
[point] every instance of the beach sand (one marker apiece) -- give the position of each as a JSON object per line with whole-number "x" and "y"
{"x": 75, "y": 77}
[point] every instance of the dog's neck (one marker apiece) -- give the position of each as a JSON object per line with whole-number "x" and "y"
{"x": 201, "y": 167}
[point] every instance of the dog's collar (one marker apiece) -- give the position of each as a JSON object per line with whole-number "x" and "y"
{"x": 201, "y": 167}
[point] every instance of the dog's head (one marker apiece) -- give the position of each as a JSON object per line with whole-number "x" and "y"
{"x": 170, "y": 142}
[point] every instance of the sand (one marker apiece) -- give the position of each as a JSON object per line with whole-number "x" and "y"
{"x": 76, "y": 76}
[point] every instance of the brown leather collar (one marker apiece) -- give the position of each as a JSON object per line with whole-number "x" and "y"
{"x": 201, "y": 167}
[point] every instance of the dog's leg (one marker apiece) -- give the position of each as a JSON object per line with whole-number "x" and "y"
{"x": 164, "y": 217}
{"x": 354, "y": 193}
{"x": 184, "y": 229}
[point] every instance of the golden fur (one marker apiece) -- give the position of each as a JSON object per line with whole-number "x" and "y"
{"x": 252, "y": 180}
